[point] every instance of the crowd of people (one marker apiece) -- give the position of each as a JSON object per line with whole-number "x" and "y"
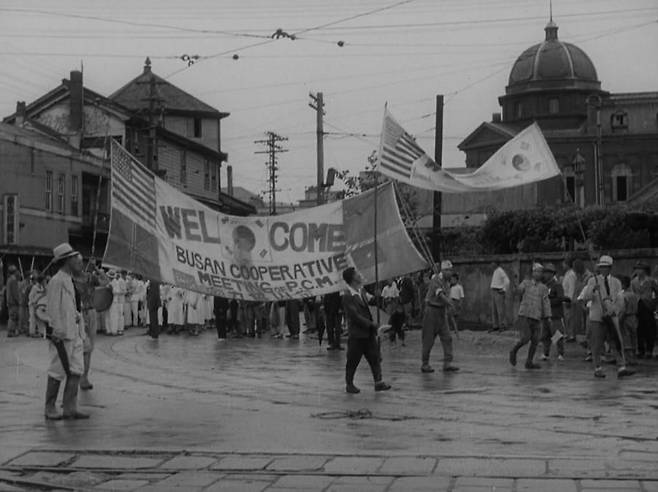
{"x": 615, "y": 317}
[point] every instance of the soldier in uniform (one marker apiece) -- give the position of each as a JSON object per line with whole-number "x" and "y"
{"x": 435, "y": 320}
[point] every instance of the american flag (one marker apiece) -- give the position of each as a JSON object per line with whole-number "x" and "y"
{"x": 398, "y": 150}
{"x": 133, "y": 187}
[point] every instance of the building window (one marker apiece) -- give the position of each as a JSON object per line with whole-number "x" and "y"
{"x": 198, "y": 127}
{"x": 11, "y": 219}
{"x": 619, "y": 120}
{"x": 75, "y": 193}
{"x": 621, "y": 182}
{"x": 49, "y": 191}
{"x": 183, "y": 168}
{"x": 553, "y": 105}
{"x": 518, "y": 109}
{"x": 206, "y": 175}
{"x": 61, "y": 186}
{"x": 213, "y": 177}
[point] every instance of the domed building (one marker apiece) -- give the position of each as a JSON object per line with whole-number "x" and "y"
{"x": 606, "y": 144}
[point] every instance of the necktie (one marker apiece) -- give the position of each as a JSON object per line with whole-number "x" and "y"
{"x": 607, "y": 286}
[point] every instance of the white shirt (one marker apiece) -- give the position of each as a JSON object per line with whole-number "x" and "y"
{"x": 457, "y": 292}
{"x": 390, "y": 291}
{"x": 569, "y": 284}
{"x": 500, "y": 280}
{"x": 355, "y": 292}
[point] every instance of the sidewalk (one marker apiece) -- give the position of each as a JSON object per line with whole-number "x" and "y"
{"x": 163, "y": 471}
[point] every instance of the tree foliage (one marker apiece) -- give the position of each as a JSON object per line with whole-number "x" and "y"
{"x": 567, "y": 228}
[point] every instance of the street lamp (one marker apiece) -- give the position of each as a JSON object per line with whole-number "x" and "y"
{"x": 596, "y": 102}
{"x": 578, "y": 169}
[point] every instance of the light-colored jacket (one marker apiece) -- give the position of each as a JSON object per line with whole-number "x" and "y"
{"x": 64, "y": 317}
{"x": 596, "y": 311}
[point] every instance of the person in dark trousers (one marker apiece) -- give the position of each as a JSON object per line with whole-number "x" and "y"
{"x": 407, "y": 294}
{"x": 362, "y": 333}
{"x": 556, "y": 321}
{"x": 220, "y": 306}
{"x": 11, "y": 291}
{"x": 646, "y": 289}
{"x": 153, "y": 303}
{"x": 332, "y": 304}
{"x": 234, "y": 325}
{"x": 292, "y": 318}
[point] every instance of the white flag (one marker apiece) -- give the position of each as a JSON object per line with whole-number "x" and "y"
{"x": 524, "y": 159}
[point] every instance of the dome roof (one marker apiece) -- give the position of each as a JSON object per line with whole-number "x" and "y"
{"x": 552, "y": 64}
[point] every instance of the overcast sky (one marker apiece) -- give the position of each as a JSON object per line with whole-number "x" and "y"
{"x": 405, "y": 54}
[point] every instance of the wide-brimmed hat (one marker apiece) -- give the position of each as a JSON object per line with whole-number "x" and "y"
{"x": 605, "y": 261}
{"x": 640, "y": 265}
{"x": 63, "y": 251}
{"x": 549, "y": 267}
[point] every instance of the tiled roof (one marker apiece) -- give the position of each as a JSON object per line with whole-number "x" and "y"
{"x": 135, "y": 95}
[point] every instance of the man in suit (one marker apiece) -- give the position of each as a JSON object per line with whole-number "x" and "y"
{"x": 153, "y": 303}
{"x": 362, "y": 333}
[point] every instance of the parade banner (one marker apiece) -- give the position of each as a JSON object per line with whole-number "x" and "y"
{"x": 165, "y": 235}
{"x": 525, "y": 159}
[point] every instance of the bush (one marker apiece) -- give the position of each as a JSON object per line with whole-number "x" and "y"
{"x": 545, "y": 230}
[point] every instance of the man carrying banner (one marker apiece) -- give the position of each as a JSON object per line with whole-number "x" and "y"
{"x": 435, "y": 322}
{"x": 66, "y": 334}
{"x": 362, "y": 333}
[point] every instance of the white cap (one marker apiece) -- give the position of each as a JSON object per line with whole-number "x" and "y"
{"x": 446, "y": 265}
{"x": 537, "y": 267}
{"x": 605, "y": 261}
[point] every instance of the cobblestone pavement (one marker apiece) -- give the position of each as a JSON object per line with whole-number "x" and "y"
{"x": 197, "y": 414}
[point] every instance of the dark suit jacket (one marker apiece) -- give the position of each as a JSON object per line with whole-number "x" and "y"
{"x": 153, "y": 300}
{"x": 359, "y": 318}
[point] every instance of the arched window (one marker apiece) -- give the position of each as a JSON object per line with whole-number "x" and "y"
{"x": 554, "y": 105}
{"x": 619, "y": 120}
{"x": 621, "y": 182}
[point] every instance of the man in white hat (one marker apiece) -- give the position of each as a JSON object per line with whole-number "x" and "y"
{"x": 67, "y": 334}
{"x": 435, "y": 322}
{"x": 601, "y": 292}
{"x": 535, "y": 307}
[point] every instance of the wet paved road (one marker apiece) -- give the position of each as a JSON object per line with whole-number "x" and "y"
{"x": 287, "y": 397}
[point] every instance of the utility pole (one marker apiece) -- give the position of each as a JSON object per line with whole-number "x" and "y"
{"x": 272, "y": 148}
{"x": 438, "y": 157}
{"x": 317, "y": 103}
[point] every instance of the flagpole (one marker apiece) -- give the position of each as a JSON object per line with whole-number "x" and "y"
{"x": 376, "y": 254}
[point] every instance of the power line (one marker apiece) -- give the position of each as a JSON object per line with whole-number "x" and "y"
{"x": 132, "y": 23}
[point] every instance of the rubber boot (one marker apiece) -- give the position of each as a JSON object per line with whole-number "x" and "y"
{"x": 84, "y": 380}
{"x": 71, "y": 398}
{"x": 52, "y": 390}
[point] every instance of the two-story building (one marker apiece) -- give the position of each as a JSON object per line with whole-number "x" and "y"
{"x": 175, "y": 134}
